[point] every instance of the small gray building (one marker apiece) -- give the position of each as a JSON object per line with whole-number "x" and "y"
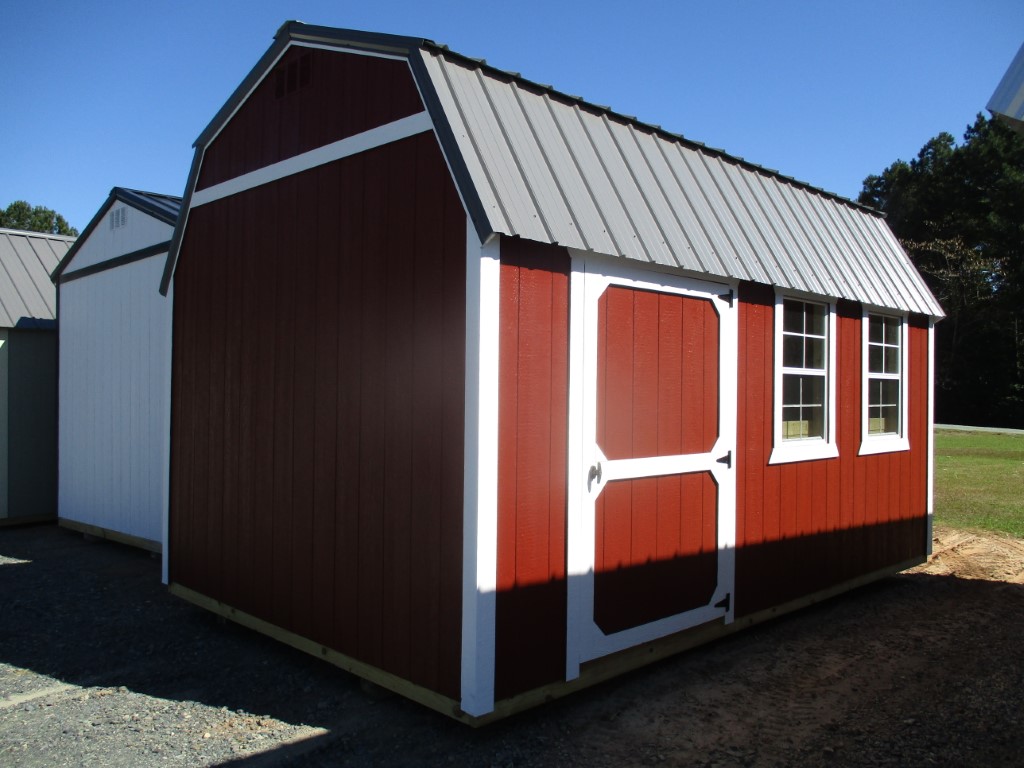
{"x": 28, "y": 375}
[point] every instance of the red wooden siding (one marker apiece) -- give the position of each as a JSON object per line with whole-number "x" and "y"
{"x": 807, "y": 526}
{"x": 311, "y": 98}
{"x": 532, "y": 429}
{"x": 317, "y": 444}
{"x": 657, "y": 395}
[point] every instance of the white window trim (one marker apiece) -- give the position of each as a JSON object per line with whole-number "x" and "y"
{"x": 890, "y": 443}
{"x": 807, "y": 449}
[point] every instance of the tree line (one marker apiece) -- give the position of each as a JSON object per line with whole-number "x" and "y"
{"x": 35, "y": 218}
{"x": 958, "y": 210}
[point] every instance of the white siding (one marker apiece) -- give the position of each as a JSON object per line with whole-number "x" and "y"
{"x": 115, "y": 385}
{"x": 140, "y": 230}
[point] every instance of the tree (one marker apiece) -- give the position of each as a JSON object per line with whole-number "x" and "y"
{"x": 959, "y": 212}
{"x": 35, "y": 218}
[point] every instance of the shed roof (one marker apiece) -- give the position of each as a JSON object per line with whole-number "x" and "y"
{"x": 27, "y": 297}
{"x": 165, "y": 208}
{"x": 532, "y": 162}
{"x": 1008, "y": 100}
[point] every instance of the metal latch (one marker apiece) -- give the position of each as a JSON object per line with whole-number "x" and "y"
{"x": 727, "y": 460}
{"x": 594, "y": 474}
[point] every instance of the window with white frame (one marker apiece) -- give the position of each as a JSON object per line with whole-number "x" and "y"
{"x": 804, "y": 380}
{"x": 884, "y": 390}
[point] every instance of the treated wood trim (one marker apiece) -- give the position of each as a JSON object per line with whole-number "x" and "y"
{"x": 119, "y": 261}
{"x": 435, "y": 701}
{"x": 105, "y": 533}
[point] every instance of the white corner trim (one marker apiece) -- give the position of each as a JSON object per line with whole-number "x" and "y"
{"x": 874, "y": 444}
{"x": 480, "y": 489}
{"x": 352, "y": 145}
{"x": 930, "y": 489}
{"x": 809, "y": 449}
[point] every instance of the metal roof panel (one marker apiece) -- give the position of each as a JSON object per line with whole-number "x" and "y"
{"x": 27, "y": 297}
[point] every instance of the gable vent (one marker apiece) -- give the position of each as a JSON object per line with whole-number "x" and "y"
{"x": 290, "y": 77}
{"x": 118, "y": 217}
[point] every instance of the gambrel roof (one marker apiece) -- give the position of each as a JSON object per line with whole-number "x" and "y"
{"x": 535, "y": 163}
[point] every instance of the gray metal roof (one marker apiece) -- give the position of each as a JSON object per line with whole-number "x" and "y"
{"x": 552, "y": 168}
{"x": 27, "y": 297}
{"x": 1008, "y": 99}
{"x": 535, "y": 163}
{"x": 163, "y": 207}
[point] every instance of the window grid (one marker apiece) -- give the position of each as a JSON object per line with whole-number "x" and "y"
{"x": 804, "y": 369}
{"x": 885, "y": 348}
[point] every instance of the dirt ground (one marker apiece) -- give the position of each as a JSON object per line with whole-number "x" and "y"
{"x": 99, "y": 666}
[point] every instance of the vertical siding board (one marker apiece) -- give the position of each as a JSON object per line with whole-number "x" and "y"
{"x": 284, "y": 405}
{"x": 248, "y": 436}
{"x": 304, "y": 426}
{"x": 372, "y": 413}
{"x": 201, "y": 543}
{"x": 670, "y": 396}
{"x": 265, "y": 255}
{"x": 452, "y": 433}
{"x": 230, "y": 406}
{"x": 427, "y": 424}
{"x": 398, "y": 385}
{"x": 645, "y": 375}
{"x": 325, "y": 409}
{"x": 349, "y": 179}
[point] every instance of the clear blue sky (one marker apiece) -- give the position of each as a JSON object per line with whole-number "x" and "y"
{"x": 96, "y": 95}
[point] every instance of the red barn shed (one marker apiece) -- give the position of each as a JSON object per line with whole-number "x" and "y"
{"x": 486, "y": 393}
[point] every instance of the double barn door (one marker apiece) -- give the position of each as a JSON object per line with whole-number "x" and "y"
{"x": 651, "y": 522}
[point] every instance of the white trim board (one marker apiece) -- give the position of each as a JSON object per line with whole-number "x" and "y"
{"x": 480, "y": 490}
{"x": 353, "y": 145}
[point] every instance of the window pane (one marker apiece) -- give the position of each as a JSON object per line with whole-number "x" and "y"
{"x": 815, "y": 354}
{"x": 812, "y": 390}
{"x": 793, "y": 351}
{"x": 874, "y": 329}
{"x": 792, "y": 316}
{"x": 890, "y": 419}
{"x": 875, "y": 359}
{"x": 790, "y": 390}
{"x": 815, "y": 319}
{"x": 874, "y": 392}
{"x": 892, "y": 330}
{"x": 892, "y": 360}
{"x": 890, "y": 392}
{"x": 815, "y": 421}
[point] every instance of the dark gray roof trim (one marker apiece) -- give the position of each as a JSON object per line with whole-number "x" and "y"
{"x": 120, "y": 261}
{"x": 165, "y": 208}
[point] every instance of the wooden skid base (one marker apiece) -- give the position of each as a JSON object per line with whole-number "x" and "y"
{"x": 591, "y": 673}
{"x": 105, "y": 533}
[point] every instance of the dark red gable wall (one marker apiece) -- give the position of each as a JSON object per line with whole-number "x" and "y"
{"x": 803, "y": 527}
{"x": 318, "y": 408}
{"x": 311, "y": 98}
{"x": 532, "y": 445}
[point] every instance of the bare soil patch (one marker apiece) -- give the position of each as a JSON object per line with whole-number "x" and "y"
{"x": 100, "y": 666}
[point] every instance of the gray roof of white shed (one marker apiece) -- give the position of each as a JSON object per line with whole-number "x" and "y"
{"x": 535, "y": 163}
{"x": 27, "y": 297}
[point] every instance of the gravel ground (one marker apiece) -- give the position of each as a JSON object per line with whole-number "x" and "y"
{"x": 99, "y": 666}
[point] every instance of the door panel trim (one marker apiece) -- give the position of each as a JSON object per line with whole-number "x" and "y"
{"x": 590, "y": 276}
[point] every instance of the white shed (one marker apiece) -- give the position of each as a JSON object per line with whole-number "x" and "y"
{"x": 115, "y": 371}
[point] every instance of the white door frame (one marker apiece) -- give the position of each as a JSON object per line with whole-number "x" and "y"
{"x": 591, "y": 275}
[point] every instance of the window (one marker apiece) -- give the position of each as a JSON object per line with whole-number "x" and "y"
{"x": 884, "y": 391}
{"x": 804, "y": 380}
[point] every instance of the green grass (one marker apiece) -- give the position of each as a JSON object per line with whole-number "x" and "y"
{"x": 979, "y": 481}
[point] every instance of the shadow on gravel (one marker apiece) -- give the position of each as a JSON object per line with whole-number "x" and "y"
{"x": 912, "y": 666}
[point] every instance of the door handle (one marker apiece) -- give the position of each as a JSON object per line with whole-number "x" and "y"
{"x": 594, "y": 474}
